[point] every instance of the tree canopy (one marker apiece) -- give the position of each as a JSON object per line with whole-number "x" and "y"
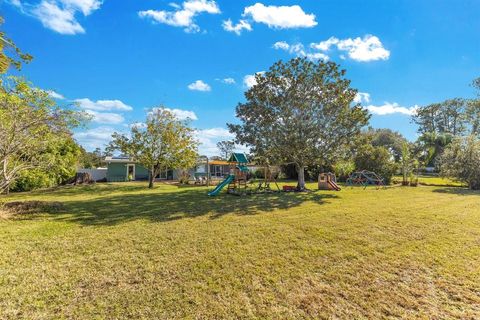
{"x": 164, "y": 142}
{"x": 461, "y": 160}
{"x": 32, "y": 130}
{"x": 299, "y": 112}
{"x": 10, "y": 54}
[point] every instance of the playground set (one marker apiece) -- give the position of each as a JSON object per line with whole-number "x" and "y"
{"x": 238, "y": 181}
{"x": 365, "y": 178}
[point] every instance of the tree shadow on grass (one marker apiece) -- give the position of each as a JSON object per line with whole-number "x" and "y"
{"x": 179, "y": 204}
{"x": 458, "y": 190}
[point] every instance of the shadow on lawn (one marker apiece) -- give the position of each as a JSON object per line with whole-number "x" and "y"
{"x": 458, "y": 190}
{"x": 178, "y": 204}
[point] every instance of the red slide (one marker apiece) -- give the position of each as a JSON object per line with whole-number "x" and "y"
{"x": 334, "y": 186}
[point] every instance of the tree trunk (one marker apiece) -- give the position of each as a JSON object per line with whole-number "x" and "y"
{"x": 151, "y": 178}
{"x": 301, "y": 177}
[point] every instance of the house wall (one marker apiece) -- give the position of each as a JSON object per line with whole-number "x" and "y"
{"x": 117, "y": 172}
{"x": 141, "y": 173}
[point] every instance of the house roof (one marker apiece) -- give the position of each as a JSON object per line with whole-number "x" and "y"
{"x": 120, "y": 159}
{"x": 238, "y": 157}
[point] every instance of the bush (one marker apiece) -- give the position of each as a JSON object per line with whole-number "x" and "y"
{"x": 461, "y": 161}
{"x": 32, "y": 179}
{"x": 343, "y": 169}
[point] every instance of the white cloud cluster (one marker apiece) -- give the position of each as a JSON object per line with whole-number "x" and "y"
{"x": 280, "y": 17}
{"x": 276, "y": 17}
{"x": 237, "y": 28}
{"x": 103, "y": 105}
{"x": 299, "y": 50}
{"x": 368, "y": 48}
{"x": 228, "y": 81}
{"x": 183, "y": 114}
{"x": 199, "y": 85}
{"x": 105, "y": 117}
{"x": 183, "y": 15}
{"x": 391, "y": 108}
{"x": 55, "y": 95}
{"x": 59, "y": 15}
{"x": 97, "y": 110}
{"x": 208, "y": 139}
{"x": 179, "y": 113}
{"x": 96, "y": 137}
{"x": 249, "y": 80}
{"x": 362, "y": 97}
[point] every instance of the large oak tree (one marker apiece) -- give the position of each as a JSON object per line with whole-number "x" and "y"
{"x": 299, "y": 112}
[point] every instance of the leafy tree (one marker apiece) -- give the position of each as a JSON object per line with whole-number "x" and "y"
{"x": 10, "y": 55}
{"x": 343, "y": 168}
{"x": 32, "y": 125}
{"x": 461, "y": 160}
{"x": 93, "y": 159}
{"x": 393, "y": 141}
{"x": 226, "y": 148}
{"x": 299, "y": 112}
{"x": 376, "y": 159}
{"x": 164, "y": 143}
{"x": 447, "y": 117}
{"x": 64, "y": 155}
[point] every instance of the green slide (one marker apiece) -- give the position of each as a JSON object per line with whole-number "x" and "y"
{"x": 221, "y": 185}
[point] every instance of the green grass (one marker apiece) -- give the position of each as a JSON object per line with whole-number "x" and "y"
{"x": 123, "y": 251}
{"x": 432, "y": 180}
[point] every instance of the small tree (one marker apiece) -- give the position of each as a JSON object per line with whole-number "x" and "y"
{"x": 165, "y": 142}
{"x": 406, "y": 163}
{"x": 226, "y": 148}
{"x": 299, "y": 112}
{"x": 461, "y": 161}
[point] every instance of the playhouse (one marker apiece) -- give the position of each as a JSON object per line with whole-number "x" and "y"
{"x": 327, "y": 181}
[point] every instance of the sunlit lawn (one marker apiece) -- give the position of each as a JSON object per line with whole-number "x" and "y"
{"x": 123, "y": 251}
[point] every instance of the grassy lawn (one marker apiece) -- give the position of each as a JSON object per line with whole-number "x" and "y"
{"x": 123, "y": 251}
{"x": 431, "y": 180}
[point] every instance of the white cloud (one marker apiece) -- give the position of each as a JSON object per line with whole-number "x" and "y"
{"x": 238, "y": 28}
{"x": 179, "y": 113}
{"x": 105, "y": 117}
{"x": 61, "y": 20}
{"x": 368, "y": 48}
{"x": 199, "y": 85}
{"x": 183, "y": 114}
{"x": 299, "y": 50}
{"x": 228, "y": 81}
{"x": 249, "y": 80}
{"x": 96, "y": 137}
{"x": 281, "y": 45}
{"x": 362, "y": 97}
{"x": 55, "y": 95}
{"x": 391, "y": 108}
{"x": 280, "y": 17}
{"x": 184, "y": 15}
{"x": 59, "y": 15}
{"x": 208, "y": 139}
{"x": 103, "y": 105}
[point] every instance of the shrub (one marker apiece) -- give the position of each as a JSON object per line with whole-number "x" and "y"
{"x": 32, "y": 179}
{"x": 461, "y": 161}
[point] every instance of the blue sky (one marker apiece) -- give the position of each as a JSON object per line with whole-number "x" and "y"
{"x": 119, "y": 58}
